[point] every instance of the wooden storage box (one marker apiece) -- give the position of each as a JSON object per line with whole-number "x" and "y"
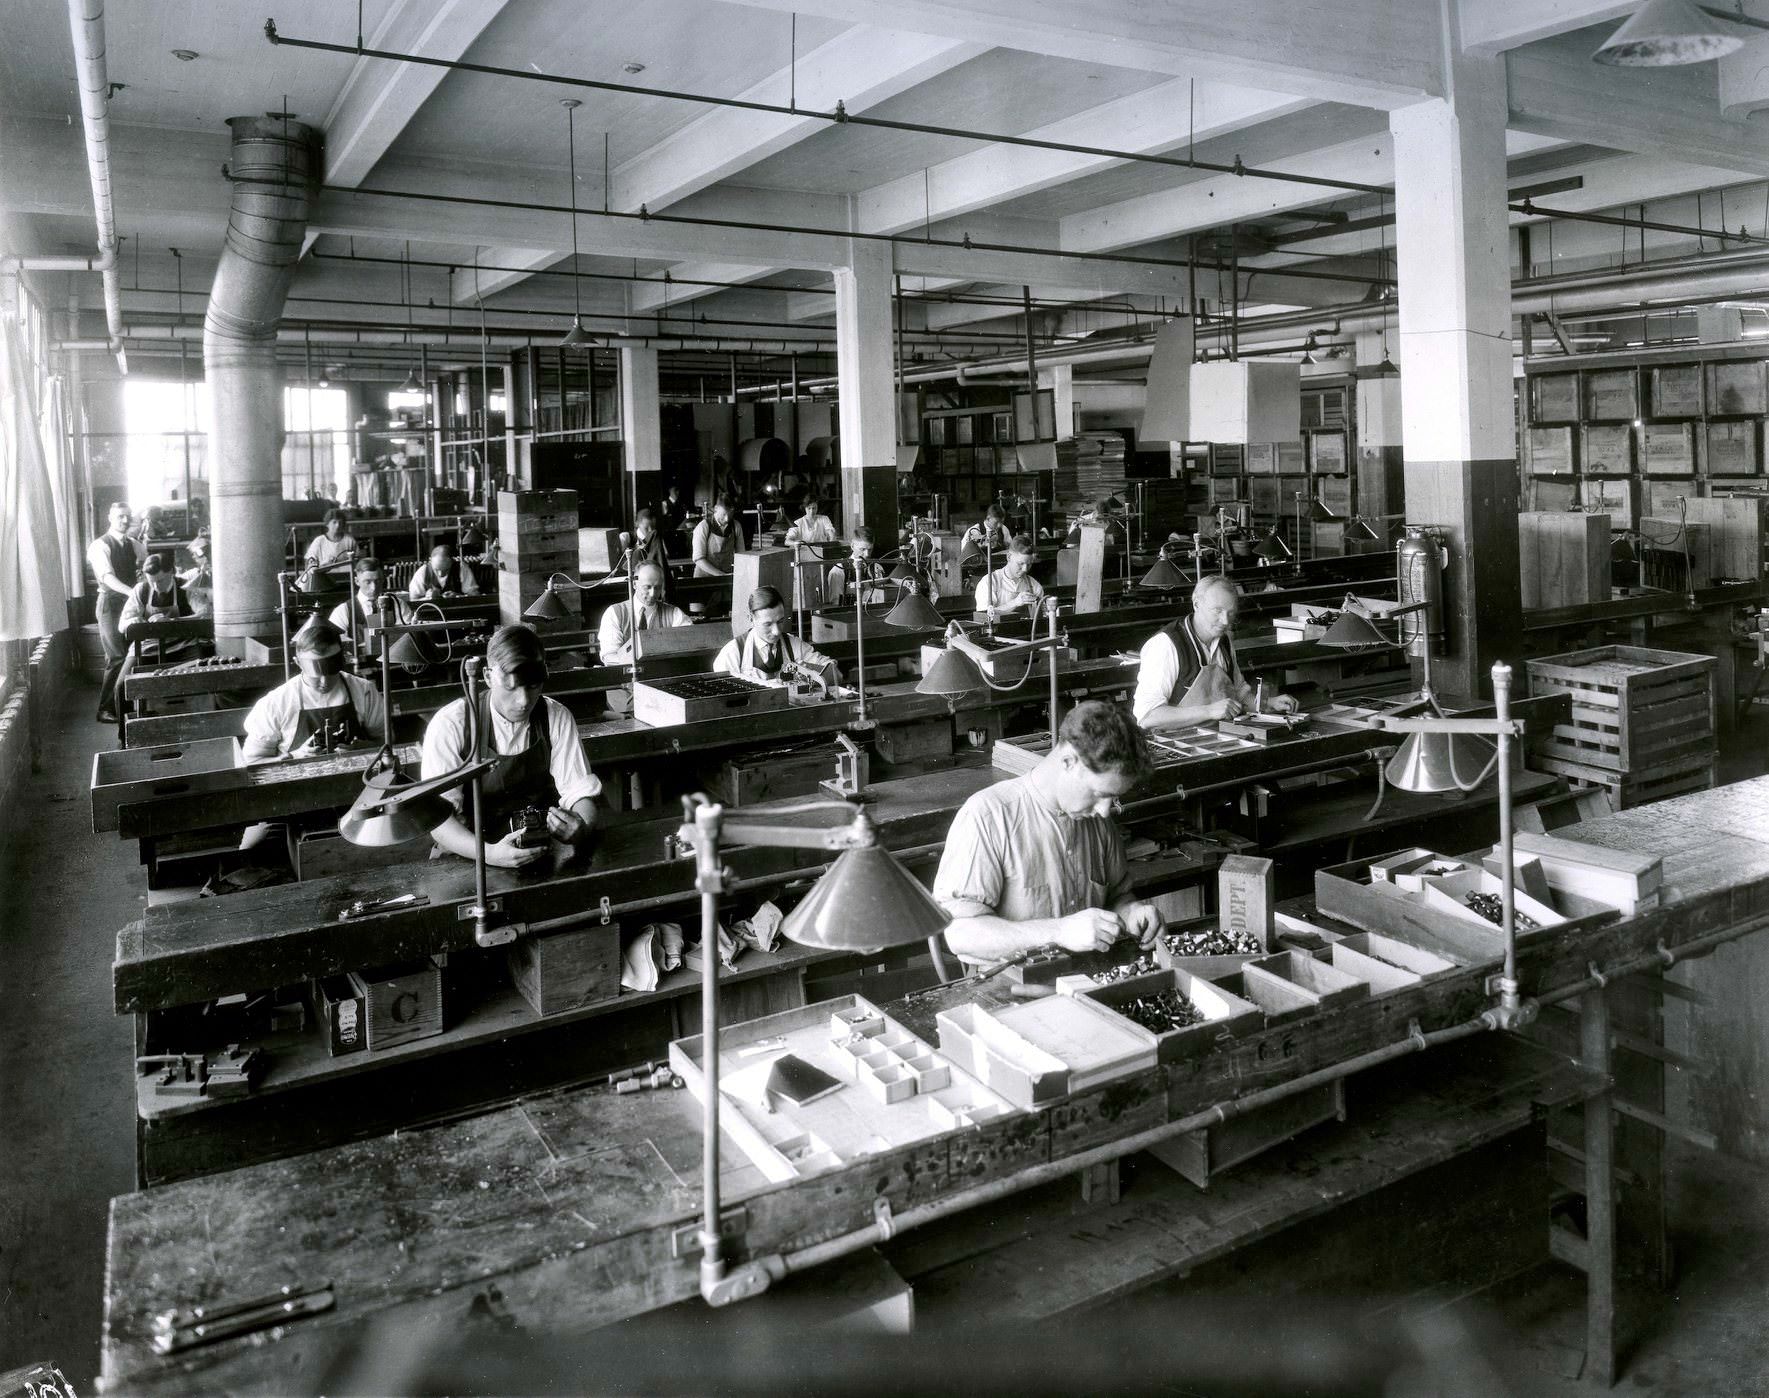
{"x": 1550, "y": 451}
{"x": 1420, "y": 962}
{"x": 695, "y": 698}
{"x": 1730, "y": 449}
{"x": 1199, "y": 1155}
{"x": 1669, "y": 449}
{"x": 1563, "y": 559}
{"x": 1608, "y": 450}
{"x": 1632, "y": 709}
{"x": 1329, "y": 985}
{"x": 1225, "y": 1015}
{"x": 1735, "y": 533}
{"x": 743, "y": 781}
{"x": 566, "y": 970}
{"x": 401, "y": 1003}
{"x": 914, "y": 742}
{"x": 999, "y": 1058}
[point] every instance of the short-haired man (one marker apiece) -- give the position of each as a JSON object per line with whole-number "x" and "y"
{"x": 1011, "y": 586}
{"x": 336, "y": 545}
{"x": 366, "y": 599}
{"x": 645, "y": 611}
{"x": 1037, "y": 859}
{"x": 718, "y": 539}
{"x": 321, "y": 709}
{"x": 984, "y": 542}
{"x": 767, "y": 652}
{"x": 648, "y": 548}
{"x": 1198, "y": 650}
{"x": 846, "y": 580}
{"x": 116, "y": 564}
{"x": 443, "y": 575}
{"x": 541, "y": 765}
{"x": 198, "y": 580}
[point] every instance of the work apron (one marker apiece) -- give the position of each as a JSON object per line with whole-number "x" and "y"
{"x": 518, "y": 779}
{"x": 336, "y": 726}
{"x": 721, "y": 548}
{"x": 1209, "y": 680}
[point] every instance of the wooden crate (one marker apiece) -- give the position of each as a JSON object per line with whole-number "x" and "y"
{"x": 566, "y": 970}
{"x": 1735, "y": 533}
{"x": 1633, "y": 710}
{"x": 771, "y": 776}
{"x": 693, "y": 698}
{"x": 400, "y": 1003}
{"x": 1563, "y": 559}
{"x": 1627, "y": 790}
{"x": 1666, "y": 542}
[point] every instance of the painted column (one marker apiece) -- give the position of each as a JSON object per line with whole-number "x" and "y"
{"x": 866, "y": 388}
{"x": 641, "y": 414}
{"x": 1455, "y": 359}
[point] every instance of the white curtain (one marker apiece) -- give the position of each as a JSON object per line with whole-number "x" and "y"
{"x": 53, "y": 429}
{"x": 33, "y": 600}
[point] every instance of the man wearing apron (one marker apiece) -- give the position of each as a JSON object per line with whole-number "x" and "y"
{"x": 1189, "y": 672}
{"x": 541, "y": 767}
{"x": 767, "y": 653}
{"x": 1037, "y": 860}
{"x": 718, "y": 539}
{"x": 320, "y": 710}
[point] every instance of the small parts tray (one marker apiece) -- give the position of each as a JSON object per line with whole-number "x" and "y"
{"x": 1225, "y": 1015}
{"x": 1045, "y": 1049}
{"x": 692, "y": 698}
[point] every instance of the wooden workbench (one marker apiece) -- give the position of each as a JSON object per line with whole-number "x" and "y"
{"x": 568, "y": 1202}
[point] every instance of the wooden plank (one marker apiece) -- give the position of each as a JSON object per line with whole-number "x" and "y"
{"x": 149, "y": 685}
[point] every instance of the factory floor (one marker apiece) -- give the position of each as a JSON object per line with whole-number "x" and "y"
{"x": 67, "y": 1140}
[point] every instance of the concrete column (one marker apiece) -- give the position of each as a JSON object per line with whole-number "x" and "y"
{"x": 866, "y": 388}
{"x": 641, "y": 415}
{"x": 1060, "y": 379}
{"x": 1379, "y": 455}
{"x": 1455, "y": 358}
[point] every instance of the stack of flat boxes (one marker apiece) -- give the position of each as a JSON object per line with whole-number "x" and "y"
{"x": 537, "y": 537}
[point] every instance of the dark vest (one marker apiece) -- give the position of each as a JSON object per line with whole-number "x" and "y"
{"x": 121, "y": 553}
{"x": 1191, "y": 656}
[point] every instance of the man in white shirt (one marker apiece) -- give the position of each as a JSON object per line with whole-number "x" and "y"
{"x": 1037, "y": 859}
{"x": 541, "y": 771}
{"x": 841, "y": 586}
{"x": 1012, "y": 586}
{"x": 767, "y": 652}
{"x": 1194, "y": 648}
{"x": 116, "y": 564}
{"x": 812, "y": 527}
{"x": 319, "y": 710}
{"x": 443, "y": 575}
{"x": 336, "y": 545}
{"x": 365, "y": 600}
{"x": 718, "y": 539}
{"x": 615, "y": 634}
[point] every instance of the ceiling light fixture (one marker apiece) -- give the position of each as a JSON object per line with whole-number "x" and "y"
{"x": 184, "y": 55}
{"x": 577, "y": 335}
{"x": 1666, "y": 34}
{"x": 632, "y": 66}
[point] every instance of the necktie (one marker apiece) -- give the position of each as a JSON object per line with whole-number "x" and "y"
{"x": 642, "y": 620}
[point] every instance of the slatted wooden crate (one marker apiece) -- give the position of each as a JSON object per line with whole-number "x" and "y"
{"x": 1642, "y": 722}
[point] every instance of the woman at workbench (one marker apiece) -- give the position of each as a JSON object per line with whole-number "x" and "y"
{"x": 1189, "y": 672}
{"x": 1038, "y": 860}
{"x": 319, "y": 710}
{"x": 542, "y": 790}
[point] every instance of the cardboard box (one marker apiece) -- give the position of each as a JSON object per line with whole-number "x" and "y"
{"x": 343, "y": 1011}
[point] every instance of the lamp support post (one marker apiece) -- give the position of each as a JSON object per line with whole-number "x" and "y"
{"x": 1050, "y": 611}
{"x": 710, "y": 880}
{"x": 282, "y": 598}
{"x": 480, "y": 909}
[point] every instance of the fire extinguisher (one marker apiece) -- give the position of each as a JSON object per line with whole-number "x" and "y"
{"x": 1420, "y": 559}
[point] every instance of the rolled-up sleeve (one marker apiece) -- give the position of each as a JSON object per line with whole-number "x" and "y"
{"x": 970, "y": 879}
{"x": 1155, "y": 681}
{"x": 272, "y": 718}
{"x": 570, "y": 768}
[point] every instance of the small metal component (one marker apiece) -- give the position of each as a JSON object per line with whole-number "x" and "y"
{"x": 174, "y": 1331}
{"x": 1162, "y": 1012}
{"x": 1492, "y": 908}
{"x": 1211, "y": 942}
{"x": 363, "y": 907}
{"x": 606, "y": 909}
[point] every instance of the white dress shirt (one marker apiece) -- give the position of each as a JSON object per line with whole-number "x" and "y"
{"x": 738, "y": 658}
{"x": 1005, "y": 594}
{"x": 274, "y": 717}
{"x": 806, "y": 530}
{"x": 614, "y": 637}
{"x": 445, "y": 748}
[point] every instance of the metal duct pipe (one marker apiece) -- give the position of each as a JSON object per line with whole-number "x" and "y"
{"x": 86, "y": 17}
{"x": 275, "y": 163}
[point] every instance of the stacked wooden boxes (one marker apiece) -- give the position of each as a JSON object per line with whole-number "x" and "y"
{"x": 1563, "y": 558}
{"x": 1642, "y": 724}
{"x": 1735, "y": 534}
{"x": 537, "y": 537}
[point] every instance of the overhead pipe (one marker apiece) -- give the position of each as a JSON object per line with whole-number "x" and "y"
{"x": 86, "y": 19}
{"x": 276, "y": 162}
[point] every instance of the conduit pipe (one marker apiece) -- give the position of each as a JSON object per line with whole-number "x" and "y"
{"x": 280, "y": 160}
{"x": 86, "y": 17}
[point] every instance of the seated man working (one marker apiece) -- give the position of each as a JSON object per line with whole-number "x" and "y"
{"x": 615, "y": 635}
{"x": 443, "y": 575}
{"x": 718, "y": 539}
{"x": 1189, "y": 672}
{"x": 984, "y": 542}
{"x": 541, "y": 765}
{"x": 366, "y": 599}
{"x": 1038, "y": 860}
{"x": 840, "y": 587}
{"x": 767, "y": 651}
{"x": 1012, "y": 585}
{"x": 319, "y": 710}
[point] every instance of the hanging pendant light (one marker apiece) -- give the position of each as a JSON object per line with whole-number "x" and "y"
{"x": 1666, "y": 34}
{"x": 577, "y": 336}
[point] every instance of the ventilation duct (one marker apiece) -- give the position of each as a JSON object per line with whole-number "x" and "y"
{"x": 274, "y": 166}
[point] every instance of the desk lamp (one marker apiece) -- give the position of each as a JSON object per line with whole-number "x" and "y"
{"x": 954, "y": 673}
{"x": 914, "y": 611}
{"x": 284, "y": 581}
{"x": 547, "y": 607}
{"x": 1353, "y": 631}
{"x": 1164, "y": 576}
{"x": 865, "y": 901}
{"x": 1427, "y": 762}
{"x": 393, "y": 810}
{"x": 1272, "y": 547}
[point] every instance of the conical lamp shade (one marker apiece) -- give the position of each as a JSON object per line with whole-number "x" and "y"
{"x": 952, "y": 672}
{"x": 1163, "y": 574}
{"x": 546, "y": 607}
{"x": 1272, "y": 548}
{"x": 1666, "y": 34}
{"x": 902, "y": 573}
{"x": 1435, "y": 762}
{"x": 1352, "y": 632}
{"x": 1622, "y": 551}
{"x": 411, "y": 384}
{"x": 576, "y": 336}
{"x": 865, "y": 902}
{"x": 914, "y": 611}
{"x": 370, "y": 822}
{"x": 409, "y": 652}
{"x": 1359, "y": 532}
{"x": 1320, "y": 514}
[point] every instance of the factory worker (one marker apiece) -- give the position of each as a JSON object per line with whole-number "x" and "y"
{"x": 366, "y": 599}
{"x": 813, "y": 526}
{"x": 648, "y": 547}
{"x": 1189, "y": 672}
{"x": 158, "y": 595}
{"x": 718, "y": 539}
{"x": 199, "y": 582}
{"x": 541, "y": 766}
{"x": 443, "y": 575}
{"x": 1012, "y": 585}
{"x": 319, "y": 710}
{"x": 615, "y": 635}
{"x": 116, "y": 564}
{"x": 859, "y": 564}
{"x": 767, "y": 651}
{"x": 336, "y": 545}
{"x": 1038, "y": 859}
{"x": 1102, "y": 511}
{"x": 981, "y": 541}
